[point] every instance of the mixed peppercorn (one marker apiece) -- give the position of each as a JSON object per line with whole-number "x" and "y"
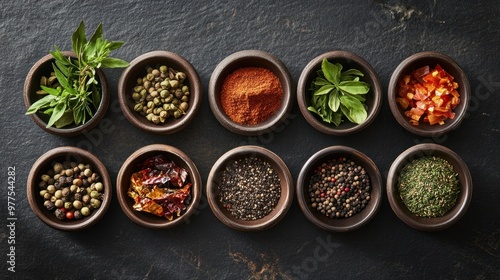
{"x": 249, "y": 188}
{"x": 71, "y": 190}
{"x": 339, "y": 188}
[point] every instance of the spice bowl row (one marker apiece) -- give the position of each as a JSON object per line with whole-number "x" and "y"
{"x": 251, "y": 92}
{"x": 250, "y": 188}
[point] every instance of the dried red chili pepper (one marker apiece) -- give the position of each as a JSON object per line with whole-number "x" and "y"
{"x": 160, "y": 188}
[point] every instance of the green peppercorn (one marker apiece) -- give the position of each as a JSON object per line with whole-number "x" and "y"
{"x": 45, "y": 178}
{"x": 96, "y": 203}
{"x": 94, "y": 194}
{"x": 58, "y": 194}
{"x": 51, "y": 189}
{"x": 69, "y": 172}
{"x": 58, "y": 167}
{"x": 177, "y": 114}
{"x": 163, "y": 69}
{"x": 59, "y": 203}
{"x": 184, "y": 106}
{"x": 138, "y": 107}
{"x": 180, "y": 76}
{"x": 68, "y": 205}
{"x": 77, "y": 204}
{"x": 85, "y": 211}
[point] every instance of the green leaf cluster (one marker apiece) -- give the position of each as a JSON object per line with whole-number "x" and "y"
{"x": 338, "y": 93}
{"x": 79, "y": 95}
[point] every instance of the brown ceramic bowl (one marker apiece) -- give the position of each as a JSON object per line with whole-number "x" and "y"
{"x": 345, "y": 224}
{"x": 43, "y": 164}
{"x": 130, "y": 166}
{"x": 137, "y": 69}
{"x": 43, "y": 67}
{"x": 348, "y": 60}
{"x": 414, "y": 62}
{"x": 286, "y": 189}
{"x": 397, "y": 205}
{"x": 251, "y": 58}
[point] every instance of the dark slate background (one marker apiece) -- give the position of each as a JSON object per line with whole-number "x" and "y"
{"x": 382, "y": 32}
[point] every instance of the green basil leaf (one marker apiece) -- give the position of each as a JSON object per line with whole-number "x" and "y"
{"x": 331, "y": 71}
{"x": 52, "y": 91}
{"x": 97, "y": 34}
{"x": 41, "y": 103}
{"x": 354, "y": 87}
{"x": 334, "y": 100}
{"x": 57, "y": 114}
{"x": 96, "y": 98}
{"x": 337, "y": 118}
{"x": 312, "y": 109}
{"x": 352, "y": 72}
{"x": 350, "y": 102}
{"x": 78, "y": 38}
{"x": 321, "y": 82}
{"x": 353, "y": 109}
{"x": 324, "y": 90}
{"x": 48, "y": 111}
{"x": 111, "y": 62}
{"x": 66, "y": 119}
{"x": 61, "y": 78}
{"x": 113, "y": 45}
{"x": 358, "y": 115}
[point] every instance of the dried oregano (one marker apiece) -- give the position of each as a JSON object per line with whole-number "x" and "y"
{"x": 429, "y": 187}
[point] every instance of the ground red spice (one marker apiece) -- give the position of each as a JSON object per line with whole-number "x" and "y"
{"x": 250, "y": 95}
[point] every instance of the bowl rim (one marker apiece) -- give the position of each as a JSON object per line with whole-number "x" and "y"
{"x": 153, "y": 57}
{"x": 33, "y": 196}
{"x": 124, "y": 199}
{"x": 272, "y": 122}
{"x": 71, "y": 131}
{"x": 359, "y": 158}
{"x": 440, "y": 223}
{"x": 400, "y": 71}
{"x": 302, "y": 92}
{"x": 266, "y": 222}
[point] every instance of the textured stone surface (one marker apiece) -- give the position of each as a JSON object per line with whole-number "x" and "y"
{"x": 382, "y": 32}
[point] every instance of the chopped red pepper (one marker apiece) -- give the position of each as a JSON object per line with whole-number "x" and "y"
{"x": 429, "y": 95}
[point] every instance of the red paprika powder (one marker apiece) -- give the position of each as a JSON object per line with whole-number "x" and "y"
{"x": 250, "y": 95}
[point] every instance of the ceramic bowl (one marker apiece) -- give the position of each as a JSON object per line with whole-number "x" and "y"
{"x": 43, "y": 164}
{"x": 414, "y": 62}
{"x": 348, "y": 60}
{"x": 397, "y": 205}
{"x": 276, "y": 214}
{"x": 130, "y": 166}
{"x": 43, "y": 67}
{"x": 339, "y": 224}
{"x": 137, "y": 69}
{"x": 251, "y": 58}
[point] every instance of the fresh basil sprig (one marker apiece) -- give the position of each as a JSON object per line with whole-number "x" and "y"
{"x": 78, "y": 95}
{"x": 337, "y": 93}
